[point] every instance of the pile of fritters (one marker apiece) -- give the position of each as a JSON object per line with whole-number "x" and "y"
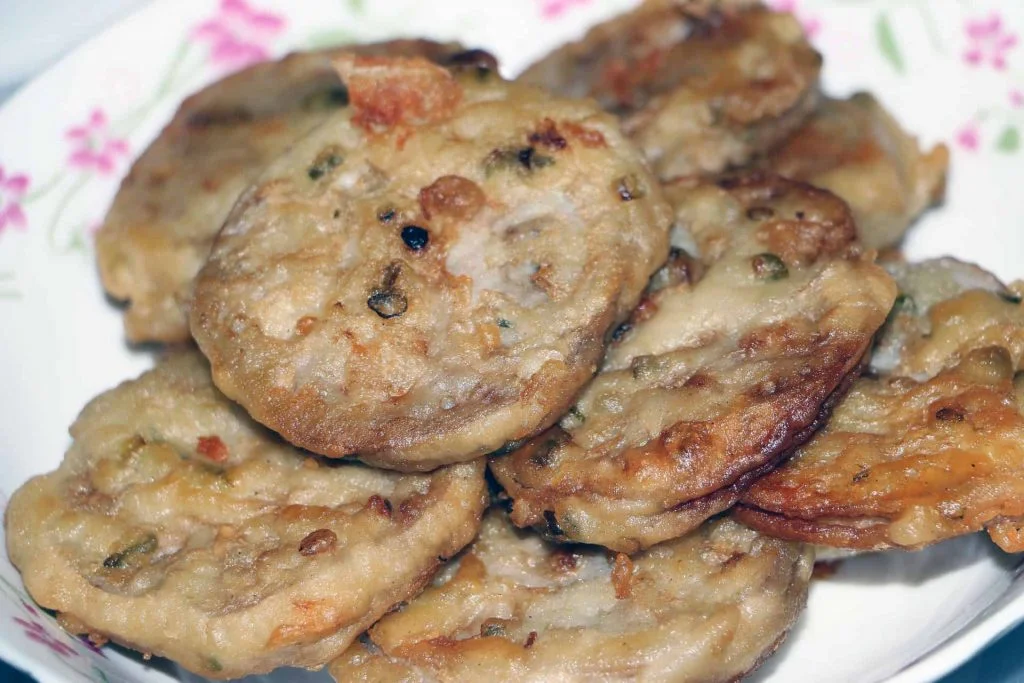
{"x": 639, "y": 285}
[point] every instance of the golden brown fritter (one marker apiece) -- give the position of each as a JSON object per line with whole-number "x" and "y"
{"x": 856, "y": 149}
{"x": 731, "y": 360}
{"x": 159, "y": 229}
{"x": 707, "y": 607}
{"x": 930, "y": 449}
{"x": 432, "y": 272}
{"x": 177, "y": 526}
{"x": 700, "y": 85}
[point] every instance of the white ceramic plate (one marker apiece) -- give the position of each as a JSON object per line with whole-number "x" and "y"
{"x": 951, "y": 71}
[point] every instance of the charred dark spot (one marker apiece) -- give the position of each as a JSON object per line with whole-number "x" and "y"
{"x": 530, "y": 640}
{"x": 862, "y": 475}
{"x": 629, "y": 188}
{"x": 729, "y": 182}
{"x": 544, "y": 454}
{"x": 552, "y": 523}
{"x": 385, "y": 216}
{"x": 504, "y": 324}
{"x": 680, "y": 268}
{"x": 387, "y": 303}
{"x": 769, "y": 267}
{"x": 548, "y": 136}
{"x": 508, "y": 447}
{"x": 760, "y": 213}
{"x": 415, "y": 237}
{"x": 483, "y": 61}
{"x": 904, "y": 303}
{"x": 1010, "y": 297}
{"x": 122, "y": 558}
{"x": 391, "y": 273}
{"x": 621, "y": 331}
{"x": 524, "y": 159}
{"x": 337, "y": 213}
{"x": 329, "y": 98}
{"x": 493, "y": 628}
{"x": 950, "y": 414}
{"x": 324, "y": 163}
{"x": 800, "y": 215}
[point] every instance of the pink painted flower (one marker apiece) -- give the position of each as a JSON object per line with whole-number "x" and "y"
{"x": 12, "y": 189}
{"x": 37, "y": 632}
{"x": 94, "y": 148}
{"x": 811, "y": 24}
{"x": 238, "y": 35}
{"x": 552, "y": 9}
{"x": 1016, "y": 98}
{"x": 969, "y": 137}
{"x": 988, "y": 41}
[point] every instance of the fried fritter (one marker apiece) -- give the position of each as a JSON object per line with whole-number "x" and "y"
{"x": 707, "y": 607}
{"x": 159, "y": 229}
{"x": 700, "y": 86}
{"x": 930, "y": 449}
{"x": 731, "y": 360}
{"x": 433, "y": 271}
{"x": 856, "y": 149}
{"x": 177, "y": 526}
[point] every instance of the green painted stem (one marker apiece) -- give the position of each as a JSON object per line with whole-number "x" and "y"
{"x": 930, "y": 26}
{"x": 42, "y": 191}
{"x": 51, "y": 232}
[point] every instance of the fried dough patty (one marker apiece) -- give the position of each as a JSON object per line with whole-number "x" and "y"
{"x": 432, "y": 272}
{"x": 159, "y": 229}
{"x": 707, "y": 607}
{"x": 855, "y": 148}
{"x": 931, "y": 448}
{"x": 700, "y": 86}
{"x": 729, "y": 362}
{"x": 177, "y": 526}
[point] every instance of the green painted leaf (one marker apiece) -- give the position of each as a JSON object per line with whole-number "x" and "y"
{"x": 887, "y": 42}
{"x": 1009, "y": 140}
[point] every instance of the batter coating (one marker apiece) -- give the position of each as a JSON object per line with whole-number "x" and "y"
{"x": 732, "y": 359}
{"x": 433, "y": 271}
{"x": 708, "y": 607}
{"x": 177, "y": 526}
{"x": 171, "y": 204}
{"x": 856, "y": 149}
{"x": 930, "y": 448}
{"x": 700, "y": 85}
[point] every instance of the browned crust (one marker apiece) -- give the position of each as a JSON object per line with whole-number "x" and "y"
{"x": 140, "y": 538}
{"x": 176, "y": 195}
{"x": 504, "y": 610}
{"x": 446, "y": 378}
{"x": 910, "y": 461}
{"x": 855, "y": 537}
{"x": 689, "y": 103}
{"x": 628, "y": 497}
